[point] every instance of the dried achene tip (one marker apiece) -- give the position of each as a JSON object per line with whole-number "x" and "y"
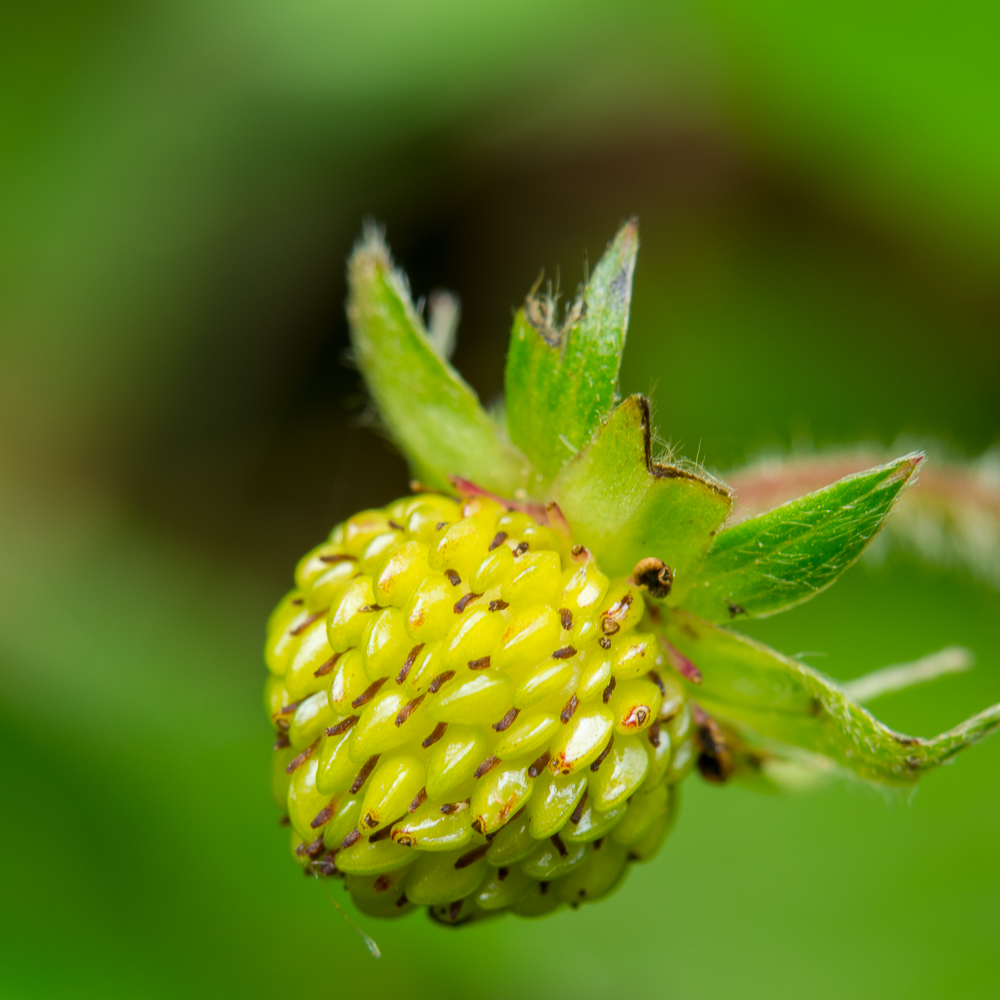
{"x": 656, "y": 577}
{"x": 471, "y": 857}
{"x": 302, "y": 626}
{"x": 408, "y": 709}
{"x": 539, "y": 765}
{"x": 311, "y": 850}
{"x": 487, "y": 765}
{"x": 436, "y": 734}
{"x": 507, "y": 793}
{"x": 337, "y": 558}
{"x": 596, "y": 766}
{"x": 362, "y": 777}
{"x": 440, "y": 680}
{"x": 408, "y": 663}
{"x": 341, "y": 727}
{"x": 296, "y": 762}
{"x": 368, "y": 693}
{"x": 715, "y": 760}
{"x": 323, "y": 670}
{"x": 464, "y": 601}
{"x": 385, "y": 832}
{"x": 323, "y": 815}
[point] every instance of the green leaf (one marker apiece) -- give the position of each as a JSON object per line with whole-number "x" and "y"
{"x": 747, "y": 684}
{"x": 784, "y": 557}
{"x": 624, "y": 506}
{"x": 561, "y": 382}
{"x": 434, "y": 416}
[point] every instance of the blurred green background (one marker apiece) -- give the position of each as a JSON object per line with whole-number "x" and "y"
{"x": 180, "y": 183}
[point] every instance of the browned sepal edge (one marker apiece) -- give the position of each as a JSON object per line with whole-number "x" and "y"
{"x": 539, "y": 765}
{"x": 657, "y": 680}
{"x": 522, "y": 547}
{"x": 507, "y": 721}
{"x": 559, "y": 845}
{"x": 565, "y": 653}
{"x": 341, "y": 727}
{"x": 362, "y": 776}
{"x": 453, "y": 578}
{"x": 498, "y": 605}
{"x": 578, "y": 811}
{"x": 661, "y": 471}
{"x": 368, "y": 693}
{"x": 566, "y": 618}
{"x": 436, "y": 733}
{"x": 471, "y": 857}
{"x": 481, "y": 664}
{"x": 654, "y": 734}
{"x": 407, "y": 710}
{"x": 450, "y": 808}
{"x": 338, "y": 557}
{"x": 487, "y": 765}
{"x": 351, "y": 839}
{"x": 654, "y": 575}
{"x": 408, "y": 665}
{"x": 299, "y": 760}
{"x": 418, "y": 800}
{"x": 498, "y": 539}
{"x": 600, "y": 758}
{"x": 570, "y": 707}
{"x": 282, "y": 742}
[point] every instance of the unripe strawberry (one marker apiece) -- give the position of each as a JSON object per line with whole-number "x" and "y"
{"x": 435, "y": 726}
{"x": 482, "y": 705}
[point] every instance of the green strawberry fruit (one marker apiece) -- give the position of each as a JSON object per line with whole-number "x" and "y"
{"x": 469, "y": 710}
{"x": 486, "y": 694}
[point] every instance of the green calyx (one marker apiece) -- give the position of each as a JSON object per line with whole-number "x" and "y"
{"x": 566, "y": 439}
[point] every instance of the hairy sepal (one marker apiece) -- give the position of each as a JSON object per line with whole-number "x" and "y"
{"x": 561, "y": 381}
{"x": 768, "y": 696}
{"x": 777, "y": 560}
{"x": 432, "y": 414}
{"x": 625, "y": 507}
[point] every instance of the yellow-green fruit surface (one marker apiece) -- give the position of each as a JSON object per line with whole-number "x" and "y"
{"x": 471, "y": 717}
